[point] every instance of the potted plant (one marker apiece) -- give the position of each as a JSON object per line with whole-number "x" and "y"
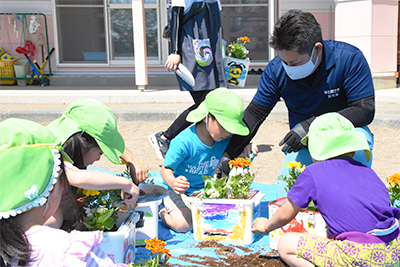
{"x": 226, "y": 208}
{"x": 237, "y": 63}
{"x": 307, "y": 220}
{"x": 105, "y": 211}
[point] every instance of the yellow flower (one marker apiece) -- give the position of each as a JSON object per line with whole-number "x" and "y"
{"x": 394, "y": 179}
{"x": 123, "y": 162}
{"x": 295, "y": 165}
{"x": 88, "y": 192}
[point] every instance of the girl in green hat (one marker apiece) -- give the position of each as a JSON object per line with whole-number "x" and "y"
{"x": 363, "y": 228}
{"x": 87, "y": 130}
{"x": 32, "y": 179}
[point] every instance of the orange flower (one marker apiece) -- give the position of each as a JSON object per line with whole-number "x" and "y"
{"x": 245, "y": 39}
{"x": 394, "y": 179}
{"x": 240, "y": 162}
{"x": 155, "y": 245}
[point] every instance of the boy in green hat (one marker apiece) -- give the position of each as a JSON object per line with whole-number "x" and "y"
{"x": 353, "y": 200}
{"x": 196, "y": 151}
{"x": 32, "y": 179}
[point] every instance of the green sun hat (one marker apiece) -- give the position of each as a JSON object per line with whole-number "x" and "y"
{"x": 29, "y": 165}
{"x": 226, "y": 106}
{"x": 97, "y": 120}
{"x": 331, "y": 135}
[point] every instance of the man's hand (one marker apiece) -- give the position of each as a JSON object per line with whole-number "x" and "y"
{"x": 292, "y": 140}
{"x": 222, "y": 169}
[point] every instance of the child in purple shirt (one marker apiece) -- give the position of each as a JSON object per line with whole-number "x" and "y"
{"x": 353, "y": 200}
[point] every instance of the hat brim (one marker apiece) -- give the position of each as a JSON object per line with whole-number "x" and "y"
{"x": 332, "y": 143}
{"x": 198, "y": 114}
{"x": 114, "y": 151}
{"x": 64, "y": 127}
{"x": 234, "y": 127}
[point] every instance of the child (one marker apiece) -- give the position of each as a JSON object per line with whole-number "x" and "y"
{"x": 87, "y": 130}
{"x": 32, "y": 178}
{"x": 352, "y": 199}
{"x": 196, "y": 151}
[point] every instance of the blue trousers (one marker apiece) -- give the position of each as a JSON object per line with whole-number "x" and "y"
{"x": 303, "y": 156}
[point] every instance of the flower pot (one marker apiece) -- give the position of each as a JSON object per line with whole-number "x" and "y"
{"x": 236, "y": 70}
{"x": 227, "y": 220}
{"x": 149, "y": 229}
{"x": 305, "y": 221}
{"x": 120, "y": 245}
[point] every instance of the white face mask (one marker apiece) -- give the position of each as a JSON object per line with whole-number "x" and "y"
{"x": 301, "y": 71}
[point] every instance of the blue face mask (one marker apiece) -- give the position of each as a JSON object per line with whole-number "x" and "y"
{"x": 302, "y": 71}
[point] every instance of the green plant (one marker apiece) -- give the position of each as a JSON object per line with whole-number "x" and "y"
{"x": 295, "y": 169}
{"x": 100, "y": 208}
{"x": 157, "y": 251}
{"x": 238, "y": 49}
{"x": 236, "y": 186}
{"x": 394, "y": 189}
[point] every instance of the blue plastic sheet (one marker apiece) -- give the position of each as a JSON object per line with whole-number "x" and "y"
{"x": 184, "y": 244}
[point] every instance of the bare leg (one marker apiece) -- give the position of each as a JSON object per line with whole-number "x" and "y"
{"x": 179, "y": 220}
{"x": 287, "y": 250}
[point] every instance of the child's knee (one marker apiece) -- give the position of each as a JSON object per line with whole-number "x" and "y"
{"x": 288, "y": 244}
{"x": 180, "y": 220}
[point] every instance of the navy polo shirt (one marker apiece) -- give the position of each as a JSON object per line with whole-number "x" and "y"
{"x": 342, "y": 77}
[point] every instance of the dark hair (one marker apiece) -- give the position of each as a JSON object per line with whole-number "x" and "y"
{"x": 14, "y": 245}
{"x": 296, "y": 31}
{"x": 76, "y": 145}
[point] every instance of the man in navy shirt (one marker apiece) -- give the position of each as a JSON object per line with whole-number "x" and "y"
{"x": 313, "y": 77}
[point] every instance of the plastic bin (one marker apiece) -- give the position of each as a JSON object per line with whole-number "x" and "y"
{"x": 7, "y": 71}
{"x": 228, "y": 220}
{"x": 305, "y": 221}
{"x": 22, "y": 68}
{"x": 150, "y": 227}
{"x": 120, "y": 245}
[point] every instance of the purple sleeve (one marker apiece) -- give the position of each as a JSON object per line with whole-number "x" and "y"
{"x": 303, "y": 190}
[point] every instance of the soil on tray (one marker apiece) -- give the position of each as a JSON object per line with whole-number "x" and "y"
{"x": 231, "y": 259}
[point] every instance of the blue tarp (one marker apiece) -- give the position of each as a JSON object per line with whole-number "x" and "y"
{"x": 184, "y": 244}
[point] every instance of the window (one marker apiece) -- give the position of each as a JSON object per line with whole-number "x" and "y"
{"x": 88, "y": 31}
{"x": 81, "y": 31}
{"x": 247, "y": 18}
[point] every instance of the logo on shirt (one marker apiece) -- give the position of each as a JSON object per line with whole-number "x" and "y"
{"x": 202, "y": 167}
{"x": 332, "y": 93}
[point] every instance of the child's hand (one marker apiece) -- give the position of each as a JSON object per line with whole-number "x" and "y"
{"x": 138, "y": 172}
{"x": 250, "y": 148}
{"x": 180, "y": 185}
{"x": 259, "y": 225}
{"x": 130, "y": 195}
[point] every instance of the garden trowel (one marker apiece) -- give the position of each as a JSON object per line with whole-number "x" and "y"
{"x": 185, "y": 74}
{"x": 151, "y": 192}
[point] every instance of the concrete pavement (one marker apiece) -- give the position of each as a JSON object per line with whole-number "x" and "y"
{"x": 43, "y": 104}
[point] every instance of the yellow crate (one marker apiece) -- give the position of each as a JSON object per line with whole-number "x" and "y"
{"x": 7, "y": 71}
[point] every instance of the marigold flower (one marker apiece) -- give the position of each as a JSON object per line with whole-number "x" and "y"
{"x": 88, "y": 192}
{"x": 294, "y": 165}
{"x": 240, "y": 162}
{"x": 393, "y": 179}
{"x": 245, "y": 39}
